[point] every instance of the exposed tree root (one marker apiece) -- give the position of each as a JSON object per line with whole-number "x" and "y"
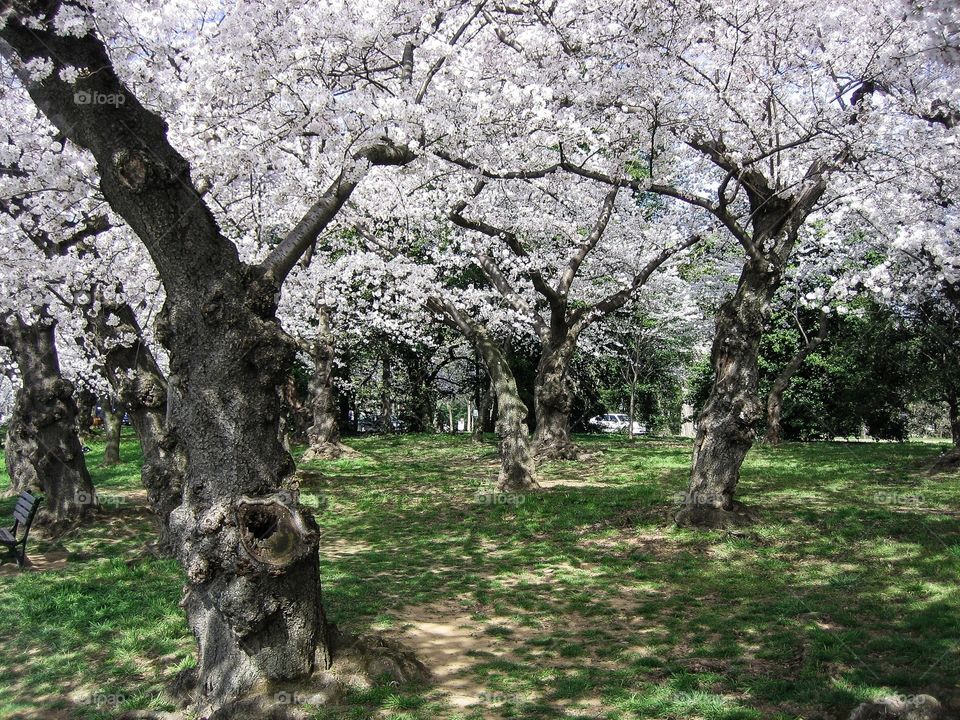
{"x": 708, "y": 516}
{"x": 948, "y": 462}
{"x": 328, "y": 451}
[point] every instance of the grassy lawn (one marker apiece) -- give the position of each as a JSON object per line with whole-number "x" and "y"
{"x": 578, "y": 601}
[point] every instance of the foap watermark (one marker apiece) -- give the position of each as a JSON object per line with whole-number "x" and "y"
{"x": 291, "y": 498}
{"x": 82, "y": 497}
{"x": 101, "y": 699}
{"x": 498, "y": 697}
{"x": 898, "y": 498}
{"x": 699, "y": 497}
{"x": 490, "y": 496}
{"x": 92, "y": 97}
{"x": 285, "y": 697}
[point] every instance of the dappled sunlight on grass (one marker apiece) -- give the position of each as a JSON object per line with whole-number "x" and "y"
{"x": 578, "y": 600}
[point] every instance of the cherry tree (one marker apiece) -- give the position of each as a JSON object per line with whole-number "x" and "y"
{"x": 759, "y": 115}
{"x": 282, "y": 99}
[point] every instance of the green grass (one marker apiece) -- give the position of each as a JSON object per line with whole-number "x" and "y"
{"x": 583, "y": 599}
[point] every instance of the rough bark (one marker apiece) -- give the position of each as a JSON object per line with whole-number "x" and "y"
{"x": 782, "y": 382}
{"x": 551, "y": 398}
{"x": 43, "y": 450}
{"x": 248, "y": 548}
{"x": 727, "y": 425}
{"x": 140, "y": 386}
{"x": 517, "y": 467}
{"x": 324, "y": 434}
{"x": 86, "y": 402}
{"x": 112, "y": 428}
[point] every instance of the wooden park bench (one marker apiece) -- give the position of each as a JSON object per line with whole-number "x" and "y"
{"x": 23, "y": 514}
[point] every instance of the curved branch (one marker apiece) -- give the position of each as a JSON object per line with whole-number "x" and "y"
{"x": 284, "y": 256}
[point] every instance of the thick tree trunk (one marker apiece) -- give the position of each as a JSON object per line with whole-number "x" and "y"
{"x": 43, "y": 450}
{"x": 141, "y": 387}
{"x": 727, "y": 426}
{"x": 249, "y": 549}
{"x": 783, "y": 380}
{"x": 112, "y": 428}
{"x": 551, "y": 400}
{"x": 517, "y": 468}
{"x": 324, "y": 433}
{"x": 86, "y": 402}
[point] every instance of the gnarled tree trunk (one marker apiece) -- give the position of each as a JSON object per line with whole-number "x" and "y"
{"x": 43, "y": 450}
{"x": 324, "y": 433}
{"x": 248, "y": 548}
{"x": 141, "y": 387}
{"x": 112, "y": 428}
{"x": 726, "y": 428}
{"x": 551, "y": 393}
{"x": 86, "y": 402}
{"x": 517, "y": 467}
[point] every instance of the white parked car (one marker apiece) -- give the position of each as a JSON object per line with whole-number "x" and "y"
{"x": 617, "y": 423}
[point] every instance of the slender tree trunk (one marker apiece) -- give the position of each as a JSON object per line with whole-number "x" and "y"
{"x": 112, "y": 428}
{"x": 453, "y": 427}
{"x": 493, "y": 412}
{"x": 551, "y": 393}
{"x": 727, "y": 426}
{"x": 633, "y": 396}
{"x": 324, "y": 433}
{"x": 141, "y": 387}
{"x": 296, "y": 416}
{"x": 953, "y": 402}
{"x": 386, "y": 380}
{"x": 422, "y": 414}
{"x": 783, "y": 380}
{"x": 517, "y": 468}
{"x": 483, "y": 412}
{"x": 43, "y": 450}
